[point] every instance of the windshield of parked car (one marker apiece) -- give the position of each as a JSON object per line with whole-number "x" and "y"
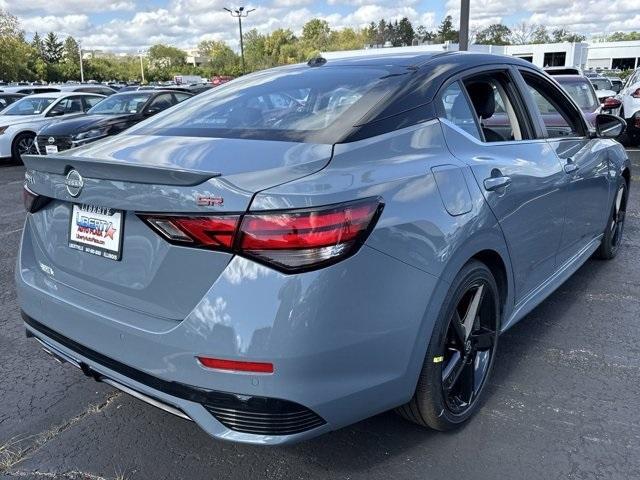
{"x": 295, "y": 104}
{"x": 601, "y": 83}
{"x": 581, "y": 93}
{"x": 29, "y": 106}
{"x": 121, "y": 104}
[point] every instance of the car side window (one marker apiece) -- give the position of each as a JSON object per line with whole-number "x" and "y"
{"x": 161, "y": 102}
{"x": 68, "y": 105}
{"x": 181, "y": 97}
{"x": 494, "y": 107}
{"x": 560, "y": 118}
{"x": 458, "y": 111}
{"x": 91, "y": 102}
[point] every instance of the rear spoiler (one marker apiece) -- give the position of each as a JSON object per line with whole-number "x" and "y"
{"x": 118, "y": 171}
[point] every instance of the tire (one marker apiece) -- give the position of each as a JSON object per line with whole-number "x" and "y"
{"x": 17, "y": 149}
{"x": 612, "y": 239}
{"x": 434, "y": 405}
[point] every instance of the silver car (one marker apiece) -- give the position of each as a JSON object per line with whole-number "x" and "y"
{"x": 307, "y": 246}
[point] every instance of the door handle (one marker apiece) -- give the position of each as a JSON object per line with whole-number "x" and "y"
{"x": 494, "y": 183}
{"x": 570, "y": 166}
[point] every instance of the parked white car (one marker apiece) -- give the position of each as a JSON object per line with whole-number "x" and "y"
{"x": 629, "y": 96}
{"x": 603, "y": 87}
{"x": 20, "y": 121}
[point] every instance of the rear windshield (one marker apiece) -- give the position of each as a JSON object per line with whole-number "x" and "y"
{"x": 581, "y": 92}
{"x": 29, "y": 106}
{"x": 121, "y": 104}
{"x": 294, "y": 104}
{"x": 601, "y": 83}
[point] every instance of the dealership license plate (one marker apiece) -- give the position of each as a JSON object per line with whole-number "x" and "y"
{"x": 50, "y": 149}
{"x": 96, "y": 230}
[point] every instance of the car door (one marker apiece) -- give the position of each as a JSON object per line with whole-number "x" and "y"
{"x": 159, "y": 103}
{"x": 586, "y": 166}
{"x": 520, "y": 176}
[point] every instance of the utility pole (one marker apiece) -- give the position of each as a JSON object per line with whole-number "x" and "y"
{"x": 240, "y": 13}
{"x": 81, "y": 69}
{"x": 464, "y": 25}
{"x": 141, "y": 65}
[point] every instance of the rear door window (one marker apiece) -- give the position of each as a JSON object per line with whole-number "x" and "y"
{"x": 560, "y": 118}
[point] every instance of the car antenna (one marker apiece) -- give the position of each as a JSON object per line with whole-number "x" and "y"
{"x": 317, "y": 61}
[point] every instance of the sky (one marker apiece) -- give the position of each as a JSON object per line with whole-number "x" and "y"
{"x": 131, "y": 25}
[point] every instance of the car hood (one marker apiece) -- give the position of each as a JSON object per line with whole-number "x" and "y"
{"x": 19, "y": 119}
{"x": 83, "y": 123}
{"x": 605, "y": 93}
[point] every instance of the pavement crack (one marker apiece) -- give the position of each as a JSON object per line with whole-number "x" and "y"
{"x": 17, "y": 449}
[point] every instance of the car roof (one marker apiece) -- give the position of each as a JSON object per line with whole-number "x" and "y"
{"x": 72, "y": 86}
{"x": 571, "y": 77}
{"x": 12, "y": 94}
{"x": 64, "y": 94}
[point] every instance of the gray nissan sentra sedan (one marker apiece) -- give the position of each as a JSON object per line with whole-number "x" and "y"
{"x": 308, "y": 246}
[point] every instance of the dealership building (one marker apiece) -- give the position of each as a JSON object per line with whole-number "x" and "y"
{"x": 592, "y": 55}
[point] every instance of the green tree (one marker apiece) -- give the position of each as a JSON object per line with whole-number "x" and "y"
{"x": 38, "y": 45}
{"x": 14, "y": 50}
{"x": 315, "y": 34}
{"x": 70, "y": 65}
{"x": 446, "y": 32}
{"x": 405, "y": 32}
{"x": 164, "y": 56}
{"x": 369, "y": 33}
{"x": 53, "y": 48}
{"x": 221, "y": 59}
{"x": 562, "y": 35}
{"x": 622, "y": 36}
{"x": 496, "y": 34}
{"x": 541, "y": 35}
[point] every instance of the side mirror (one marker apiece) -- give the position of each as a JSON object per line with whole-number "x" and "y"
{"x": 55, "y": 113}
{"x": 609, "y": 126}
{"x": 152, "y": 111}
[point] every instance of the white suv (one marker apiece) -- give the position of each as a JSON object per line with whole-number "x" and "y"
{"x": 630, "y": 108}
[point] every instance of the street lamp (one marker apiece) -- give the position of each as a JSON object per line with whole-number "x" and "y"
{"x": 141, "y": 52}
{"x": 81, "y": 69}
{"x": 464, "y": 25}
{"x": 239, "y": 13}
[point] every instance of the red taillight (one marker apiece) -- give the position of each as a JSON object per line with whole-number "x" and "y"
{"x": 290, "y": 240}
{"x": 209, "y": 232}
{"x": 636, "y": 94}
{"x": 32, "y": 201}
{"x": 611, "y": 103}
{"x": 236, "y": 365}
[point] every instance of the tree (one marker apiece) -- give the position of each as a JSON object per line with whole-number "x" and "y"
{"x": 382, "y": 32}
{"x": 622, "y": 36}
{"x": 522, "y": 33}
{"x": 53, "y": 48}
{"x": 38, "y": 45}
{"x": 70, "y": 65}
{"x": 369, "y": 33}
{"x": 446, "y": 32}
{"x": 166, "y": 56}
{"x": 405, "y": 32}
{"x": 14, "y": 50}
{"x": 496, "y": 34}
{"x": 221, "y": 59}
{"x": 562, "y": 35}
{"x": 315, "y": 34}
{"x": 541, "y": 35}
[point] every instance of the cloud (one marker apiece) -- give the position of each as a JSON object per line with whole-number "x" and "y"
{"x": 39, "y": 7}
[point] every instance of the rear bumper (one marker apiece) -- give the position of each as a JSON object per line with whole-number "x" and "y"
{"x": 5, "y": 145}
{"x": 347, "y": 342}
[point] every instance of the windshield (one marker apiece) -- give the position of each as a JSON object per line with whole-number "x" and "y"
{"x": 29, "y": 106}
{"x": 601, "y": 83}
{"x": 286, "y": 104}
{"x": 121, "y": 103}
{"x": 581, "y": 92}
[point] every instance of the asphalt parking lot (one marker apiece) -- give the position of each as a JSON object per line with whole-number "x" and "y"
{"x": 563, "y": 402}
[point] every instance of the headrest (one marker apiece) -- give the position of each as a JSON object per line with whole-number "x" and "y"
{"x": 483, "y": 98}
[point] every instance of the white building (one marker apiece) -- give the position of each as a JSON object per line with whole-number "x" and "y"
{"x": 605, "y": 55}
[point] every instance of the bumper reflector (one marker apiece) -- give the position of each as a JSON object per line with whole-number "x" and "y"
{"x": 235, "y": 365}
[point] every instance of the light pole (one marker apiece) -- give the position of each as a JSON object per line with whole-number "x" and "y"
{"x": 464, "y": 25}
{"x": 141, "y": 52}
{"x": 239, "y": 13}
{"x": 81, "y": 69}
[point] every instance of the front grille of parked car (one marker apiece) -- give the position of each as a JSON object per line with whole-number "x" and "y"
{"x": 264, "y": 416}
{"x": 63, "y": 143}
